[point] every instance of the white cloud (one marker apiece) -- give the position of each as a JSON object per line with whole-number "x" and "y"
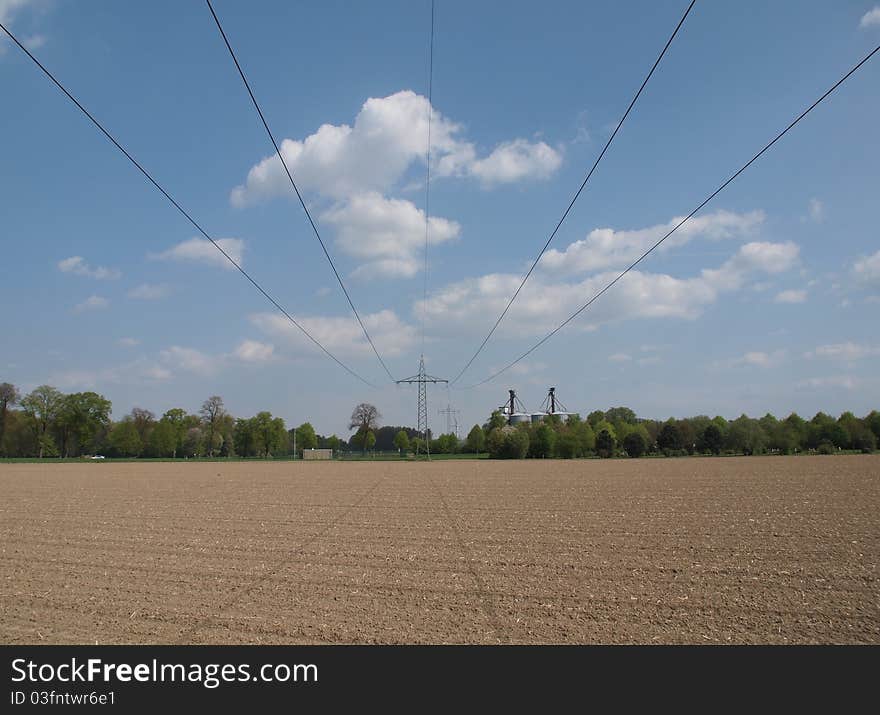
{"x": 199, "y": 250}
{"x": 8, "y": 11}
{"x": 761, "y": 359}
{"x": 34, "y": 42}
{"x": 93, "y": 302}
{"x": 847, "y": 352}
{"x": 190, "y": 360}
{"x": 340, "y": 335}
{"x": 388, "y": 234}
{"x": 389, "y": 134}
{"x": 150, "y": 291}
{"x": 605, "y": 247}
{"x": 620, "y": 357}
{"x": 845, "y": 382}
{"x": 252, "y": 351}
{"x": 791, "y": 296}
{"x": 137, "y": 372}
{"x": 78, "y": 266}
{"x": 871, "y": 18}
{"x": 867, "y": 270}
{"x": 543, "y": 304}
{"x": 517, "y": 160}
{"x": 817, "y": 210}
{"x": 129, "y": 342}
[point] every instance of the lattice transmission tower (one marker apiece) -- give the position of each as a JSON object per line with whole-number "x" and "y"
{"x": 422, "y": 380}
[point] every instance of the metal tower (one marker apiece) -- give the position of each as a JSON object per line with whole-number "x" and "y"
{"x": 422, "y": 379}
{"x": 451, "y": 419}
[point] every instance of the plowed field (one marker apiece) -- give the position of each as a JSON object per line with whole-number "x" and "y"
{"x": 739, "y": 550}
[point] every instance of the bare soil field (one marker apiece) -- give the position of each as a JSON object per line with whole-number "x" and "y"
{"x": 740, "y": 550}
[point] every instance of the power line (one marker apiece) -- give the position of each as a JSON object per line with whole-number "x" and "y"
{"x": 682, "y": 222}
{"x": 296, "y": 190}
{"x": 183, "y": 211}
{"x": 577, "y": 193}
{"x": 428, "y": 174}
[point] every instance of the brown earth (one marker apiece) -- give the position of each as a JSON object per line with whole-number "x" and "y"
{"x": 745, "y": 550}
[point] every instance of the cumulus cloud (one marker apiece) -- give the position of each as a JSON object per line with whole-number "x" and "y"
{"x": 791, "y": 296}
{"x": 848, "y": 352}
{"x": 77, "y": 265}
{"x": 190, "y": 360}
{"x": 606, "y": 247}
{"x": 340, "y": 335}
{"x": 129, "y": 342}
{"x": 544, "y": 303}
{"x": 253, "y": 351}
{"x": 150, "y": 291}
{"x": 758, "y": 358}
{"x": 199, "y": 250}
{"x": 141, "y": 371}
{"x": 388, "y": 234}
{"x": 517, "y": 160}
{"x": 844, "y": 382}
{"x": 9, "y": 10}
{"x": 389, "y": 134}
{"x": 619, "y": 357}
{"x": 817, "y": 210}
{"x": 93, "y": 302}
{"x": 867, "y": 270}
{"x": 871, "y": 18}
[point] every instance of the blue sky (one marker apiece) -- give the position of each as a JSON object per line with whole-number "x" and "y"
{"x": 767, "y": 302}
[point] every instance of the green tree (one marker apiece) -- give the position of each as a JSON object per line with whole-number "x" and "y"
{"x": 516, "y": 444}
{"x": 496, "y": 420}
{"x": 369, "y": 440}
{"x": 162, "y": 441}
{"x": 306, "y": 437}
{"x": 669, "y": 439}
{"x": 270, "y": 434}
{"x": 872, "y": 422}
{"x": 605, "y": 443}
{"x": 193, "y": 442}
{"x": 745, "y": 435}
{"x": 594, "y": 418}
{"x": 42, "y": 407}
{"x": 144, "y": 420}
{"x": 244, "y": 437}
{"x": 585, "y": 437}
{"x": 567, "y": 446}
{"x": 543, "y": 444}
{"x": 401, "y": 441}
{"x": 712, "y": 440}
{"x": 176, "y": 418}
{"x": 495, "y": 442}
{"x": 9, "y": 395}
{"x": 211, "y": 412}
{"x": 124, "y": 439}
{"x": 476, "y": 440}
{"x": 635, "y": 444}
{"x": 81, "y": 416}
{"x": 621, "y": 415}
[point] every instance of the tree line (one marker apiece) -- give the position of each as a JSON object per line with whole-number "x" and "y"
{"x": 49, "y": 423}
{"x": 619, "y": 432}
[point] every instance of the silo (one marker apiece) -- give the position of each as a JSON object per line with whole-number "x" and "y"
{"x": 538, "y": 416}
{"x": 518, "y": 418}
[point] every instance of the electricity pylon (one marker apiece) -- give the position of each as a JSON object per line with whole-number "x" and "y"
{"x": 422, "y": 380}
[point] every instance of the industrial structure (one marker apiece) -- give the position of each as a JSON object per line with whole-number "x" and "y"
{"x": 516, "y": 413}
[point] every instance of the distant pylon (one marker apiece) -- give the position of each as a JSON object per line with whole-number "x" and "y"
{"x": 451, "y": 419}
{"x": 422, "y": 379}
